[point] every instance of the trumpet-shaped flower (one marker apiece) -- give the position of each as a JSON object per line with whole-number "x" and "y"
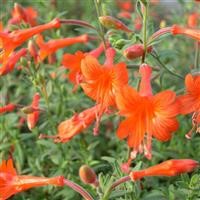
{"x": 192, "y": 33}
{"x": 147, "y": 115}
{"x": 11, "y": 183}
{"x": 10, "y": 41}
{"x": 172, "y": 167}
{"x": 52, "y": 46}
{"x": 75, "y": 125}
{"x": 190, "y": 102}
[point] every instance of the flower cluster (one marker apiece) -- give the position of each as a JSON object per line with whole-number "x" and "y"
{"x": 144, "y": 112}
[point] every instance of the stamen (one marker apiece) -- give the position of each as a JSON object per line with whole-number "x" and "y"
{"x": 194, "y": 125}
{"x": 96, "y": 127}
{"x": 133, "y": 154}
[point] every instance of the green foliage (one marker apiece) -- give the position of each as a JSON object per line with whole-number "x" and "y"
{"x": 105, "y": 153}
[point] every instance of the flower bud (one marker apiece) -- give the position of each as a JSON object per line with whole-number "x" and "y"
{"x": 7, "y": 108}
{"x": 33, "y": 50}
{"x": 135, "y": 51}
{"x": 113, "y": 23}
{"x": 87, "y": 175}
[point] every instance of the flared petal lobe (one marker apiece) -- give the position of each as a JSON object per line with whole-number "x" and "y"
{"x": 190, "y": 102}
{"x": 73, "y": 63}
{"x": 166, "y": 108}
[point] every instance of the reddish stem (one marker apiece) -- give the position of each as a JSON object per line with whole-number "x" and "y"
{"x": 78, "y": 189}
{"x": 120, "y": 181}
{"x": 160, "y": 33}
{"x": 77, "y": 22}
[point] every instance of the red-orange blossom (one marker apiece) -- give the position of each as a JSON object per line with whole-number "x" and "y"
{"x": 147, "y": 115}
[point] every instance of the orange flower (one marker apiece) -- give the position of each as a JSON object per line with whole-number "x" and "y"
{"x": 33, "y": 117}
{"x": 9, "y": 64}
{"x": 193, "y": 33}
{"x": 193, "y": 20}
{"x": 172, "y": 167}
{"x": 11, "y": 183}
{"x": 146, "y": 115}
{"x": 73, "y": 63}
{"x": 102, "y": 81}
{"x": 10, "y": 41}
{"x": 53, "y": 45}
{"x": 190, "y": 102}
{"x": 27, "y": 15}
{"x": 125, "y": 5}
{"x": 75, "y": 125}
{"x": 112, "y": 23}
{"x": 7, "y": 108}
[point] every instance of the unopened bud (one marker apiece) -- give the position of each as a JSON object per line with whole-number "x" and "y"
{"x": 87, "y": 175}
{"x": 113, "y": 23}
{"x": 33, "y": 50}
{"x": 7, "y": 108}
{"x": 135, "y": 51}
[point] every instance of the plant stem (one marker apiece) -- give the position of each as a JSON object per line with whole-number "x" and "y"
{"x": 136, "y": 66}
{"x": 114, "y": 185}
{"x": 120, "y": 181}
{"x": 160, "y": 62}
{"x": 46, "y": 98}
{"x": 159, "y": 33}
{"x": 145, "y": 31}
{"x": 77, "y": 22}
{"x": 197, "y": 55}
{"x": 101, "y": 31}
{"x": 78, "y": 189}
